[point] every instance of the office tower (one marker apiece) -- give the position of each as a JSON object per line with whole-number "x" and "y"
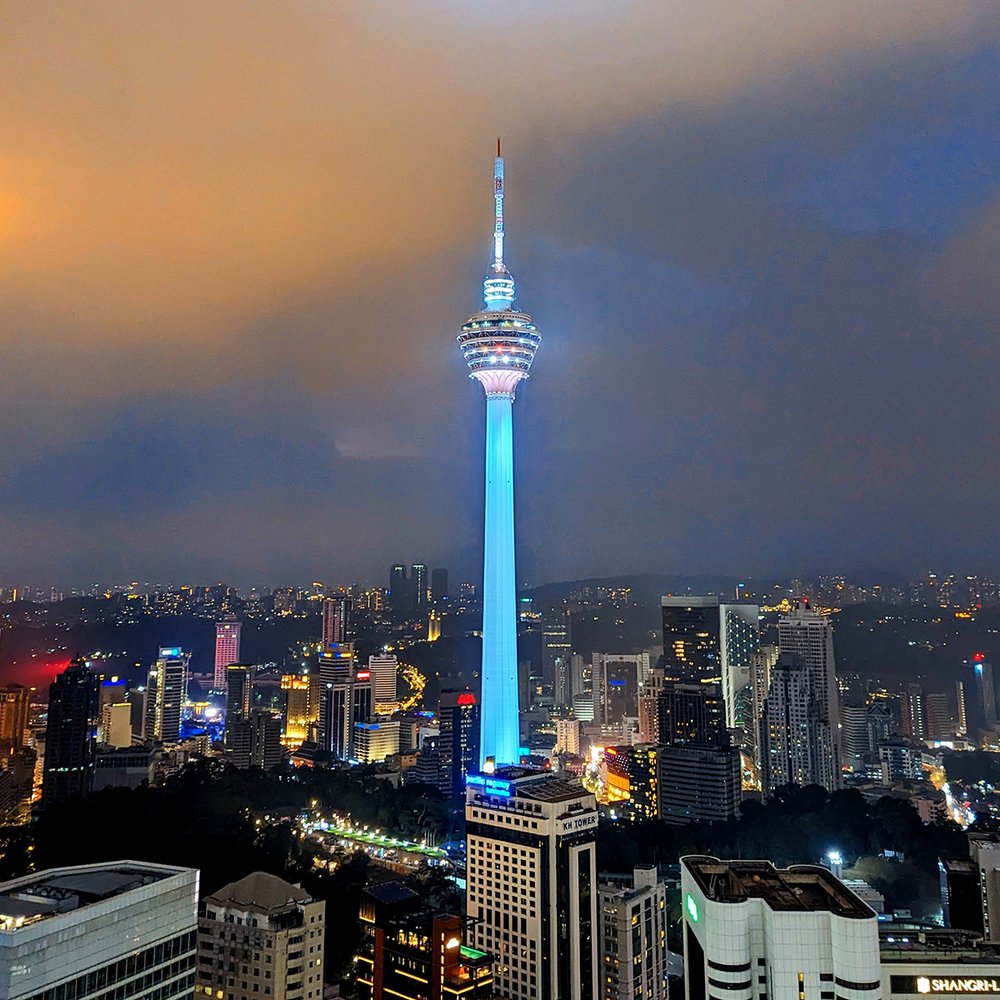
{"x": 789, "y": 934}
{"x": 649, "y": 705}
{"x": 115, "y": 929}
{"x": 963, "y": 718}
{"x": 808, "y": 636}
{"x": 261, "y": 937}
{"x": 346, "y": 697}
{"x": 557, "y": 651}
{"x": 434, "y": 626}
{"x": 418, "y": 583}
{"x": 227, "y": 648}
{"x": 795, "y": 740}
{"x": 633, "y": 936}
{"x": 855, "y": 734}
{"x": 71, "y": 734}
{"x": 374, "y": 741}
{"x": 116, "y": 725}
{"x": 123, "y": 767}
{"x": 985, "y": 852}
{"x": 616, "y": 681}
{"x": 985, "y": 690}
{"x": 399, "y": 589}
{"x": 937, "y": 719}
{"x": 633, "y": 777}
{"x": 699, "y": 771}
{"x": 914, "y": 720}
{"x": 239, "y": 697}
{"x": 167, "y": 692}
{"x": 458, "y": 713}
{"x": 739, "y": 639}
{"x": 410, "y": 951}
{"x": 900, "y": 760}
{"x": 255, "y": 740}
{"x": 112, "y": 691}
{"x": 569, "y": 736}
{"x": 691, "y": 713}
{"x": 763, "y": 663}
{"x": 302, "y": 698}
{"x": 880, "y": 724}
{"x": 499, "y": 344}
{"x": 692, "y": 643}
{"x": 383, "y": 669}
{"x": 15, "y": 708}
{"x": 698, "y": 783}
{"x": 336, "y": 623}
{"x": 531, "y": 884}
{"x": 439, "y": 585}
{"x": 961, "y": 896}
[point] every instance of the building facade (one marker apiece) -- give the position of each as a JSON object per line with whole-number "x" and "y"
{"x": 227, "y": 649}
{"x": 531, "y": 886}
{"x": 166, "y": 693}
{"x": 261, "y": 937}
{"x": 124, "y": 928}
{"x": 71, "y": 734}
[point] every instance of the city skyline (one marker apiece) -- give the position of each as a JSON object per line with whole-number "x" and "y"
{"x": 764, "y": 253}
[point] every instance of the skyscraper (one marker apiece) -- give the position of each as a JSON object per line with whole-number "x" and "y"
{"x": 167, "y": 692}
{"x": 418, "y": 581}
{"x": 398, "y": 592}
{"x": 227, "y": 648}
{"x": 336, "y": 619}
{"x": 15, "y": 706}
{"x": 739, "y": 639}
{"x": 71, "y": 733}
{"x": 557, "y": 651}
{"x": 439, "y": 585}
{"x": 808, "y": 636}
{"x": 239, "y": 698}
{"x": 692, "y": 638}
{"x": 499, "y": 344}
{"x": 458, "y": 713}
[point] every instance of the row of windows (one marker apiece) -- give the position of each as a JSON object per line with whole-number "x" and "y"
{"x": 125, "y": 969}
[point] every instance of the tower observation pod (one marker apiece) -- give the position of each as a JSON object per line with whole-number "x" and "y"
{"x": 499, "y": 344}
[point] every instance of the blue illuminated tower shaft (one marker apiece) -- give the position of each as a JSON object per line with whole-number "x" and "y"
{"x": 500, "y": 736}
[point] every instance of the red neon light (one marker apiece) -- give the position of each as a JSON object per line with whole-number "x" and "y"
{"x": 467, "y": 698}
{"x": 364, "y": 675}
{"x": 978, "y": 657}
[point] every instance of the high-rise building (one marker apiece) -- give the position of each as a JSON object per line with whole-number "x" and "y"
{"x": 751, "y": 929}
{"x": 112, "y": 691}
{"x": 569, "y": 736}
{"x": 691, "y": 713}
{"x": 616, "y": 681}
{"x": 986, "y": 689}
{"x": 985, "y": 851}
{"x": 302, "y": 698}
{"x": 698, "y": 783}
{"x": 531, "y": 886}
{"x": 557, "y": 652}
{"x": 336, "y": 623}
{"x": 937, "y": 719}
{"x": 15, "y": 707}
{"x": 166, "y": 694}
{"x": 900, "y": 760}
{"x": 855, "y": 735}
{"x": 439, "y": 585}
{"x": 346, "y": 698}
{"x": 633, "y": 781}
{"x": 374, "y": 741}
{"x": 418, "y": 582}
{"x": 116, "y": 725}
{"x": 458, "y": 713}
{"x": 239, "y": 697}
{"x": 499, "y": 344}
{"x": 739, "y": 639}
{"x": 962, "y": 717}
{"x": 633, "y": 936}
{"x": 692, "y": 641}
{"x": 914, "y": 718}
{"x": 119, "y": 928}
{"x": 797, "y": 746}
{"x": 255, "y": 740}
{"x": 384, "y": 668}
{"x": 71, "y": 734}
{"x": 763, "y": 663}
{"x": 410, "y": 951}
{"x": 649, "y": 705}
{"x": 808, "y": 636}
{"x": 227, "y": 648}
{"x": 261, "y": 937}
{"x": 399, "y": 595}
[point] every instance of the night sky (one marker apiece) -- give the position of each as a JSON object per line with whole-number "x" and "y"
{"x": 761, "y": 241}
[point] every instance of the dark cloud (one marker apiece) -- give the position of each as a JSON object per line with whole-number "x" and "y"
{"x": 236, "y": 242}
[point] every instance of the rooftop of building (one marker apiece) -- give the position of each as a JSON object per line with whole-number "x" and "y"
{"x": 259, "y": 891}
{"x": 542, "y": 786}
{"x": 939, "y": 944}
{"x": 799, "y": 888}
{"x": 62, "y": 890}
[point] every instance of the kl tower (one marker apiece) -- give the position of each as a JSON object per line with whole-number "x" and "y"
{"x": 499, "y": 344}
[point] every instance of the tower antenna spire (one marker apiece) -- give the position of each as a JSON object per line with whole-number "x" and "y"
{"x": 498, "y": 200}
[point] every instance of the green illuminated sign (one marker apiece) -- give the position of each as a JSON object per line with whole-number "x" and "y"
{"x": 692, "y": 908}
